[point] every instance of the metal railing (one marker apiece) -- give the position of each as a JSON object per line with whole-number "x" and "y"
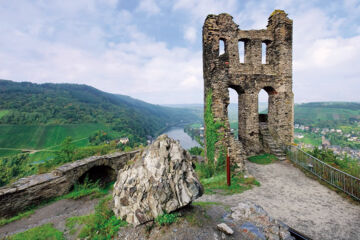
{"x": 339, "y": 179}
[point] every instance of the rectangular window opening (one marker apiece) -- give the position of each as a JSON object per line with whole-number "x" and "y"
{"x": 241, "y": 46}
{"x": 263, "y": 53}
{"x": 221, "y": 47}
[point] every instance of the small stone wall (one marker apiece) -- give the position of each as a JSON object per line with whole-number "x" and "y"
{"x": 33, "y": 190}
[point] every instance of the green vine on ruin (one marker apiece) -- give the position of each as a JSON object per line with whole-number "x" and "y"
{"x": 212, "y": 135}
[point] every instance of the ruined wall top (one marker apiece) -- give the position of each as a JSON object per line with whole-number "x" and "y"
{"x": 277, "y": 37}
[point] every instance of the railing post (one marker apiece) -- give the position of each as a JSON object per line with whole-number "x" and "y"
{"x": 228, "y": 167}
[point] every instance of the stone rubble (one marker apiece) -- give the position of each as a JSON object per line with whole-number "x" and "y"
{"x": 158, "y": 180}
{"x": 257, "y": 224}
{"x": 225, "y": 228}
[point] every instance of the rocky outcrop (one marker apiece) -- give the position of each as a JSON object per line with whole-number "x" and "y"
{"x": 160, "y": 179}
{"x": 257, "y": 224}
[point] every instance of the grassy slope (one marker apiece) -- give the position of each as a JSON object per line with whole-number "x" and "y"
{"x": 43, "y": 136}
{"x": 326, "y": 111}
{"x": 46, "y": 137}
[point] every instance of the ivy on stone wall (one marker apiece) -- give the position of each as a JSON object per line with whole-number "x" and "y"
{"x": 212, "y": 135}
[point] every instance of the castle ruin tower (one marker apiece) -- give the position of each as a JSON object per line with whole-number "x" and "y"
{"x": 247, "y": 75}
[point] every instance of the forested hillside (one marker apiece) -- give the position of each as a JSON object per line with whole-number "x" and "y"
{"x": 33, "y": 104}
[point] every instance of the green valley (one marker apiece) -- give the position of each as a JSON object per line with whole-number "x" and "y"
{"x": 36, "y": 119}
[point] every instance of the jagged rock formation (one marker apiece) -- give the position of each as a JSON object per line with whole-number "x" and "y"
{"x": 257, "y": 224}
{"x": 248, "y": 75}
{"x": 160, "y": 179}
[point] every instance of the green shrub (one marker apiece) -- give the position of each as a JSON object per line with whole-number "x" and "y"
{"x": 198, "y": 151}
{"x": 166, "y": 219}
{"x": 15, "y": 167}
{"x": 88, "y": 188}
{"x": 204, "y": 170}
{"x": 43, "y": 232}
{"x": 346, "y": 164}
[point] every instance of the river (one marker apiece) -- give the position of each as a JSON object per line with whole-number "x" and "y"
{"x": 185, "y": 140}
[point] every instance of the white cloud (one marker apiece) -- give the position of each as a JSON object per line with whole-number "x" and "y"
{"x": 96, "y": 43}
{"x": 148, "y": 6}
{"x": 190, "y": 34}
{"x": 201, "y": 8}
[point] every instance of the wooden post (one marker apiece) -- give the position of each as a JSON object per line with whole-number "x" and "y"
{"x": 228, "y": 167}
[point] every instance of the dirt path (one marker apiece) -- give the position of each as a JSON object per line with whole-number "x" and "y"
{"x": 55, "y": 213}
{"x": 300, "y": 202}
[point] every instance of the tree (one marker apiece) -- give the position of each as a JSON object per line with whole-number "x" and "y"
{"x": 66, "y": 152}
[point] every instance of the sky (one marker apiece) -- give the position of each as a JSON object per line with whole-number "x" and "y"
{"x": 151, "y": 49}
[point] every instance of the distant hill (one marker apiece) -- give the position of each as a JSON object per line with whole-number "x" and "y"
{"x": 321, "y": 114}
{"x": 327, "y": 114}
{"x": 29, "y": 103}
{"x": 48, "y": 105}
{"x": 232, "y": 109}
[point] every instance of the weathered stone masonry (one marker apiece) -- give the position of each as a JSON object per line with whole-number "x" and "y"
{"x": 225, "y": 71}
{"x": 31, "y": 191}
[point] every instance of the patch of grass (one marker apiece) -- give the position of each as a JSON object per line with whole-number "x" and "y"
{"x": 25, "y": 214}
{"x": 103, "y": 224}
{"x": 205, "y": 204}
{"x": 43, "y": 232}
{"x": 166, "y": 219}
{"x": 263, "y": 159}
{"x": 218, "y": 184}
{"x": 73, "y": 222}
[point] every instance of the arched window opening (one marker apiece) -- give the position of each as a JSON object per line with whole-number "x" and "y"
{"x": 101, "y": 174}
{"x": 263, "y": 53}
{"x": 241, "y": 46}
{"x": 221, "y": 47}
{"x": 233, "y": 112}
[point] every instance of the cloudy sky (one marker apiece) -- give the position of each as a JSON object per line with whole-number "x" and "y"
{"x": 151, "y": 49}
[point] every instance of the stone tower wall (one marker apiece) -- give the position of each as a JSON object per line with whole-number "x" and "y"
{"x": 225, "y": 71}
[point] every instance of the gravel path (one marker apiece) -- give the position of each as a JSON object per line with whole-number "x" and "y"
{"x": 300, "y": 202}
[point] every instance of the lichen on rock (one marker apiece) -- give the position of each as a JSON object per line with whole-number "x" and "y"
{"x": 161, "y": 179}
